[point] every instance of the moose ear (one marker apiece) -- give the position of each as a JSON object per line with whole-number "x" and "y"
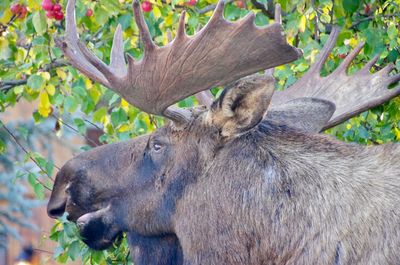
{"x": 242, "y": 105}
{"x": 308, "y": 114}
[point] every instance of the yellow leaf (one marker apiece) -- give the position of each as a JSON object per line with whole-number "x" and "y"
{"x": 95, "y": 94}
{"x": 21, "y": 54}
{"x": 302, "y": 23}
{"x": 348, "y": 126}
{"x": 45, "y": 75}
{"x": 124, "y": 103}
{"x": 51, "y": 89}
{"x": 169, "y": 20}
{"x": 61, "y": 74}
{"x": 88, "y": 83}
{"x": 156, "y": 12}
{"x": 6, "y": 16}
{"x": 44, "y": 104}
{"x": 34, "y": 4}
{"x": 5, "y": 51}
{"x": 397, "y": 133}
{"x": 124, "y": 128}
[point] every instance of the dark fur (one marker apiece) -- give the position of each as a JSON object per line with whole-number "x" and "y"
{"x": 269, "y": 195}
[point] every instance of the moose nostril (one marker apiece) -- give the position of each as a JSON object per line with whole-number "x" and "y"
{"x": 55, "y": 210}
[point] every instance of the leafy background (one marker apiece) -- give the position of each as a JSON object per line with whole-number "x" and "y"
{"x": 33, "y": 69}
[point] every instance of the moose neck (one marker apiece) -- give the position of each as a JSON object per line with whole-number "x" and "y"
{"x": 299, "y": 193}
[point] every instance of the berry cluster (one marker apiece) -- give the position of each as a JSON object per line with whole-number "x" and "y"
{"x": 53, "y": 10}
{"x": 19, "y": 10}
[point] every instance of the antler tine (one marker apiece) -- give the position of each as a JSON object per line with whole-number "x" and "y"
{"x": 68, "y": 45}
{"x": 218, "y": 13}
{"x": 278, "y": 14}
{"x": 117, "y": 60}
{"x": 326, "y": 50}
{"x": 351, "y": 94}
{"x": 370, "y": 64}
{"x": 349, "y": 58}
{"x": 80, "y": 56}
{"x": 181, "y": 32}
{"x": 143, "y": 29}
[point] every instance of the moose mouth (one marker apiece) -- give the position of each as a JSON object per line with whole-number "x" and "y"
{"x": 97, "y": 231}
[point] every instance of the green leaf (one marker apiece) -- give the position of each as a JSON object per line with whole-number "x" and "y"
{"x": 74, "y": 250}
{"x": 39, "y": 191}
{"x": 118, "y": 117}
{"x": 3, "y": 147}
{"x": 70, "y": 104}
{"x": 32, "y": 179}
{"x": 39, "y": 22}
{"x": 99, "y": 114}
{"x": 351, "y": 6}
{"x": 36, "y": 82}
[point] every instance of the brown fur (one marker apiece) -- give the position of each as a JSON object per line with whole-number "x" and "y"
{"x": 269, "y": 194}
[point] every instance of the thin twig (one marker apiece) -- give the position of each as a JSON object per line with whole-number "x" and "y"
{"x": 28, "y": 51}
{"x": 26, "y": 151}
{"x": 269, "y": 11}
{"x": 211, "y": 7}
{"x": 94, "y": 124}
{"x": 356, "y": 23}
{"x": 3, "y": 28}
{"x": 44, "y": 251}
{"x": 153, "y": 121}
{"x": 5, "y": 86}
{"x": 38, "y": 180}
{"x": 75, "y": 130}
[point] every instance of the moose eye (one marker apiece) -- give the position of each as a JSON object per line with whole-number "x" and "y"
{"x": 157, "y": 147}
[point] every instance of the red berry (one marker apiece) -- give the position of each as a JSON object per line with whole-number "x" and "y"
{"x": 240, "y": 4}
{"x": 23, "y": 12}
{"x": 15, "y": 9}
{"x": 50, "y": 14}
{"x": 342, "y": 56}
{"x": 57, "y": 7}
{"x": 89, "y": 12}
{"x": 58, "y": 16}
{"x": 146, "y": 6}
{"x": 47, "y": 5}
{"x": 191, "y": 2}
{"x": 367, "y": 9}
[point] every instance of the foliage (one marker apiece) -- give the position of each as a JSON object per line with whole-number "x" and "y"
{"x": 32, "y": 68}
{"x": 15, "y": 207}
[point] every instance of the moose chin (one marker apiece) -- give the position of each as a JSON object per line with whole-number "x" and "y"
{"x": 243, "y": 179}
{"x": 97, "y": 231}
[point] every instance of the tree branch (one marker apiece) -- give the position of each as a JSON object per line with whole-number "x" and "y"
{"x": 269, "y": 11}
{"x": 356, "y": 23}
{"x": 24, "y": 149}
{"x": 5, "y": 86}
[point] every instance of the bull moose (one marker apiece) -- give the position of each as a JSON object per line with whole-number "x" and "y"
{"x": 243, "y": 179}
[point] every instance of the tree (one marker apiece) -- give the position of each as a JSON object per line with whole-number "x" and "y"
{"x": 33, "y": 68}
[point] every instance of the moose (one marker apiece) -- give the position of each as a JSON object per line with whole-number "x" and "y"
{"x": 243, "y": 179}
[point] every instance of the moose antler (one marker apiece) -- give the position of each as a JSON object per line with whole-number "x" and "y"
{"x": 351, "y": 94}
{"x": 220, "y": 53}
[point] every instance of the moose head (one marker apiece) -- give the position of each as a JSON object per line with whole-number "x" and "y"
{"x": 143, "y": 186}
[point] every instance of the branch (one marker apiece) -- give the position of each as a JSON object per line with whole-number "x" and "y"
{"x": 211, "y": 7}
{"x": 356, "y": 23}
{"x": 5, "y": 86}
{"x": 24, "y": 149}
{"x": 269, "y": 12}
{"x": 74, "y": 130}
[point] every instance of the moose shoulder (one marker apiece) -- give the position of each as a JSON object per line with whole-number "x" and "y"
{"x": 236, "y": 191}
{"x": 247, "y": 179}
